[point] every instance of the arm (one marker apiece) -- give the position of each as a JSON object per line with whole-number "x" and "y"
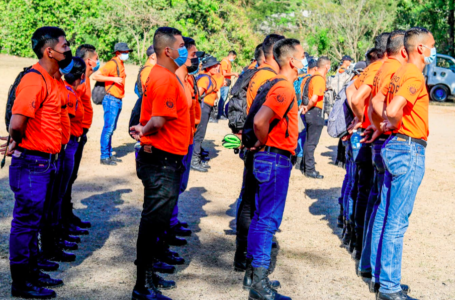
{"x": 262, "y": 124}
{"x": 359, "y": 99}
{"x": 376, "y": 110}
{"x": 312, "y": 102}
{"x": 17, "y": 127}
{"x": 395, "y": 111}
{"x": 101, "y": 78}
{"x": 349, "y": 92}
{"x": 152, "y": 127}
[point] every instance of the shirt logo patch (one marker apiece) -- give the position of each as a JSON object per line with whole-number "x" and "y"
{"x": 33, "y": 104}
{"x": 70, "y": 104}
{"x": 280, "y": 98}
{"x": 412, "y": 90}
{"x": 170, "y": 104}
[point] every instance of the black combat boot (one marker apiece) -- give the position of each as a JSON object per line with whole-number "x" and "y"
{"x": 23, "y": 288}
{"x": 142, "y": 291}
{"x": 197, "y": 165}
{"x": 240, "y": 257}
{"x": 340, "y": 218}
{"x": 51, "y": 249}
{"x": 261, "y": 288}
{"x": 156, "y": 282}
{"x": 248, "y": 278}
{"x": 46, "y": 265}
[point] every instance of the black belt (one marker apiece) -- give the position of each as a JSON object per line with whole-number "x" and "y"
{"x": 52, "y": 157}
{"x": 278, "y": 151}
{"x": 150, "y": 150}
{"x": 407, "y": 138}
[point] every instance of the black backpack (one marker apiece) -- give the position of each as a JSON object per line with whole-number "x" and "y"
{"x": 99, "y": 90}
{"x": 139, "y": 90}
{"x": 305, "y": 90}
{"x": 249, "y": 138}
{"x": 237, "y": 103}
{"x": 12, "y": 94}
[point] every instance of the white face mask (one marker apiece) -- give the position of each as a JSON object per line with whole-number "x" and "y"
{"x": 124, "y": 56}
{"x": 430, "y": 59}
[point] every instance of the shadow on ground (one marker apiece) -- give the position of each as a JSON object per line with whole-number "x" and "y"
{"x": 124, "y": 150}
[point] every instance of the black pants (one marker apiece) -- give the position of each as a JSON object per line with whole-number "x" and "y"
{"x": 314, "y": 126}
{"x": 365, "y": 175}
{"x": 160, "y": 173}
{"x": 201, "y": 130}
{"x": 247, "y": 206}
{"x": 67, "y": 205}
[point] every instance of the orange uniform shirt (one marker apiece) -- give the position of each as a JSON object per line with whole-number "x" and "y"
{"x": 367, "y": 77}
{"x": 164, "y": 96}
{"x": 409, "y": 83}
{"x": 197, "y": 106}
{"x": 110, "y": 70}
{"x": 145, "y": 73}
{"x": 76, "y": 112}
{"x": 317, "y": 87}
{"x": 280, "y": 96}
{"x": 65, "y": 117}
{"x": 191, "y": 104}
{"x": 84, "y": 93}
{"x": 217, "y": 81}
{"x": 226, "y": 66}
{"x": 40, "y": 101}
{"x": 256, "y": 82}
{"x": 382, "y": 80}
{"x": 252, "y": 65}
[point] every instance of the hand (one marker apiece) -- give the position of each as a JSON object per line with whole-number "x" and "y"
{"x": 3, "y": 146}
{"x": 236, "y": 74}
{"x": 117, "y": 80}
{"x": 387, "y": 126}
{"x": 304, "y": 109}
{"x": 256, "y": 146}
{"x": 137, "y": 131}
{"x": 354, "y": 125}
{"x": 370, "y": 134}
{"x": 12, "y": 146}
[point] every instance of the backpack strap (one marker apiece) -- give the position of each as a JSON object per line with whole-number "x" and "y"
{"x": 118, "y": 75}
{"x": 212, "y": 83}
{"x": 47, "y": 90}
{"x": 195, "y": 89}
{"x": 301, "y": 85}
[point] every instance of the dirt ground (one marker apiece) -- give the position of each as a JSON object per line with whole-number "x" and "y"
{"x": 311, "y": 263}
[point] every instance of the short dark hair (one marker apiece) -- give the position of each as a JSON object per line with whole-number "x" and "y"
{"x": 189, "y": 42}
{"x": 232, "y": 52}
{"x": 412, "y": 34}
{"x": 381, "y": 41}
{"x": 322, "y": 61}
{"x": 258, "y": 52}
{"x": 85, "y": 50}
{"x": 283, "y": 49}
{"x": 77, "y": 71}
{"x": 374, "y": 54}
{"x": 45, "y": 37}
{"x": 269, "y": 41}
{"x": 164, "y": 37}
{"x": 395, "y": 42}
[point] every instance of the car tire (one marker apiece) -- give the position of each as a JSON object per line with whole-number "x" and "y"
{"x": 439, "y": 93}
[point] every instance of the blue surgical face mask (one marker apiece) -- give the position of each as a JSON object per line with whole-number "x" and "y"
{"x": 304, "y": 69}
{"x": 231, "y": 60}
{"x": 430, "y": 59}
{"x": 67, "y": 69}
{"x": 183, "y": 56}
{"x": 124, "y": 56}
{"x": 97, "y": 66}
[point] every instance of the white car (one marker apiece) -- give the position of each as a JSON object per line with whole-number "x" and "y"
{"x": 440, "y": 77}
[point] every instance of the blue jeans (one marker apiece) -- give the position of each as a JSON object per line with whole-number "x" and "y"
{"x": 343, "y": 198}
{"x": 112, "y": 107}
{"x": 183, "y": 183}
{"x": 301, "y": 140}
{"x": 272, "y": 172}
{"x": 405, "y": 168}
{"x": 224, "y": 92}
{"x": 369, "y": 254}
{"x": 30, "y": 179}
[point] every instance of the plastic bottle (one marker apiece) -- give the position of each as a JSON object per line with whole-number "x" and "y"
{"x": 355, "y": 139}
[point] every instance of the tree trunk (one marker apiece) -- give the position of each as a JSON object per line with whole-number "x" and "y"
{"x": 451, "y": 21}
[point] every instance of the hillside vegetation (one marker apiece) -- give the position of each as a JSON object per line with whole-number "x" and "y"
{"x": 327, "y": 27}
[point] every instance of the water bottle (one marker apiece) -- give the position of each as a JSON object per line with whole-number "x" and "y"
{"x": 355, "y": 140}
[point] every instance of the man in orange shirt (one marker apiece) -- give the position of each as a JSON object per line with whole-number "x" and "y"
{"x": 404, "y": 158}
{"x": 273, "y": 165}
{"x": 164, "y": 131}
{"x": 314, "y": 117}
{"x": 88, "y": 53}
{"x": 397, "y": 56}
{"x": 36, "y": 132}
{"x": 360, "y": 101}
{"x": 268, "y": 69}
{"x": 226, "y": 71}
{"x": 345, "y": 63}
{"x": 113, "y": 74}
{"x": 209, "y": 83}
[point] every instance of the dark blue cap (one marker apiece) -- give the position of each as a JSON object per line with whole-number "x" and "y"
{"x": 347, "y": 57}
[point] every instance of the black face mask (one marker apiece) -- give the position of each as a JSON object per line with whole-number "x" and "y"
{"x": 64, "y": 63}
{"x": 194, "y": 65}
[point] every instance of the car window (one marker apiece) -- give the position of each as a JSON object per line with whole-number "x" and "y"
{"x": 445, "y": 63}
